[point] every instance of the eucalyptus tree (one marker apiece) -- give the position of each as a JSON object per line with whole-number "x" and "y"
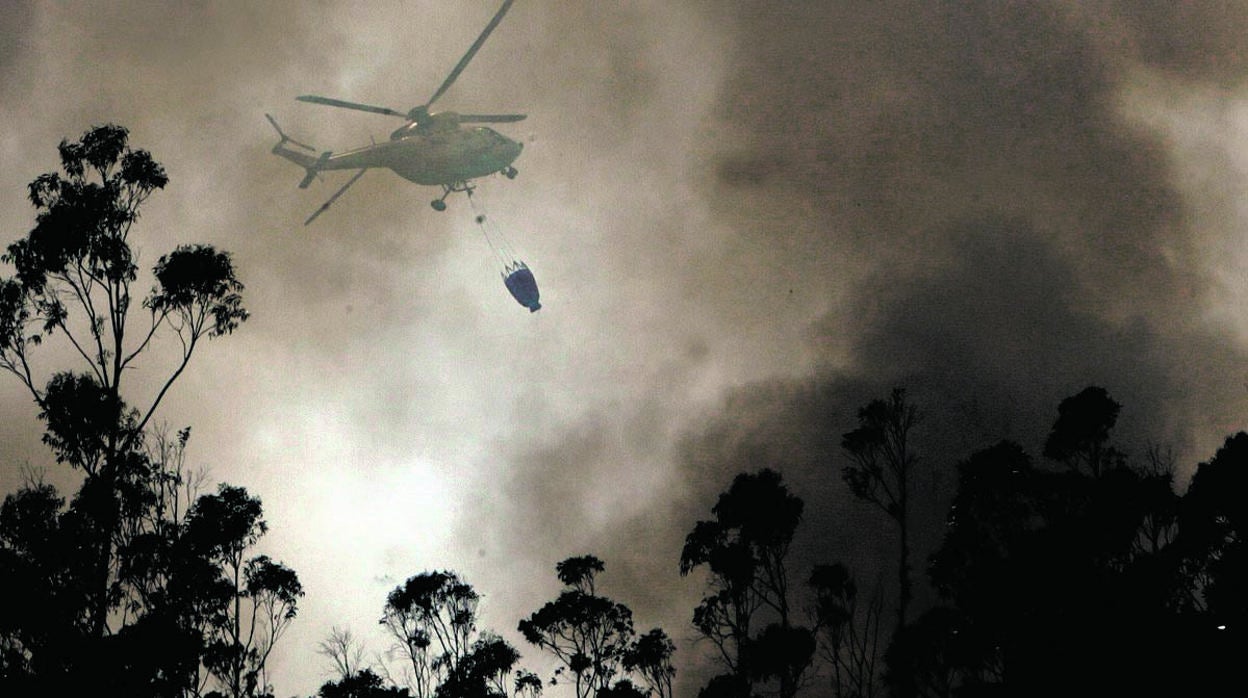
{"x": 650, "y": 656}
{"x": 488, "y": 670}
{"x": 433, "y": 619}
{"x": 589, "y": 634}
{"x": 1213, "y": 537}
{"x": 363, "y": 683}
{"x": 133, "y": 601}
{"x": 253, "y": 600}
{"x": 882, "y": 463}
{"x": 345, "y": 652}
{"x": 745, "y": 549}
{"x": 848, "y": 631}
{"x": 76, "y": 273}
{"x": 1080, "y": 577}
{"x": 1080, "y": 436}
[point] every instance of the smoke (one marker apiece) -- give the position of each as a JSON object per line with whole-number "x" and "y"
{"x": 747, "y": 220}
{"x": 962, "y": 199}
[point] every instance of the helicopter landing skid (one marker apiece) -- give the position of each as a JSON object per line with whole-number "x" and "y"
{"x": 439, "y": 204}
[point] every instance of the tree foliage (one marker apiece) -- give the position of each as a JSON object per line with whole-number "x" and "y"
{"x": 848, "y": 633}
{"x": 1080, "y": 436}
{"x": 364, "y": 683}
{"x": 650, "y": 656}
{"x": 76, "y": 268}
{"x": 433, "y": 620}
{"x": 745, "y": 547}
{"x": 142, "y": 588}
{"x": 489, "y": 670}
{"x": 592, "y": 635}
{"x": 882, "y": 461}
{"x": 1212, "y": 542}
{"x": 1083, "y": 576}
{"x": 1086, "y": 573}
{"x": 432, "y": 617}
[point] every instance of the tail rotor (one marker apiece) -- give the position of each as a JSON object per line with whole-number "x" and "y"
{"x": 284, "y": 138}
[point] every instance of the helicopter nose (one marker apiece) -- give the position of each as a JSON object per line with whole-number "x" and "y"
{"x": 507, "y": 141}
{"x": 512, "y": 148}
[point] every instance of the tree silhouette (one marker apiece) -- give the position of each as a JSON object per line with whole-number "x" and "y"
{"x": 433, "y": 619}
{"x": 745, "y": 547}
{"x": 260, "y": 596}
{"x": 1089, "y": 579}
{"x": 849, "y": 635}
{"x": 590, "y": 635}
{"x": 487, "y": 672}
{"x": 624, "y": 688}
{"x": 132, "y": 600}
{"x": 880, "y": 473}
{"x": 344, "y": 650}
{"x": 650, "y": 656}
{"x": 579, "y": 572}
{"x": 1080, "y": 436}
{"x": 361, "y": 684}
{"x": 1213, "y": 536}
{"x": 78, "y": 259}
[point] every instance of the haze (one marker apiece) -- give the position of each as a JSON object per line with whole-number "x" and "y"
{"x": 746, "y": 220}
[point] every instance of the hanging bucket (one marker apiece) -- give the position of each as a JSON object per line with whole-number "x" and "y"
{"x": 523, "y": 287}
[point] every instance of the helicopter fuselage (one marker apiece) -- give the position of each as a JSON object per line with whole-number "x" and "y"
{"x": 439, "y": 157}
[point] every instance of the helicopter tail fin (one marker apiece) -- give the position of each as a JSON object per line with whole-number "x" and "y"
{"x": 312, "y": 168}
{"x": 307, "y": 162}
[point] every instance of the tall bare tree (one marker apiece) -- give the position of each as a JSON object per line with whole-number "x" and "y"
{"x": 882, "y": 462}
{"x": 849, "y": 632}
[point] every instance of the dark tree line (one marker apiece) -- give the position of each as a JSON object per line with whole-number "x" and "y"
{"x": 1087, "y": 575}
{"x": 1084, "y": 574}
{"x": 432, "y": 618}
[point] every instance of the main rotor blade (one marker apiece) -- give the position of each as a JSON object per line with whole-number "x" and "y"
{"x": 350, "y": 105}
{"x": 472, "y": 51}
{"x": 490, "y": 118}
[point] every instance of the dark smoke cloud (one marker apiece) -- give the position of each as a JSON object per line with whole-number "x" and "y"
{"x": 1004, "y": 202}
{"x": 748, "y": 219}
{"x": 1195, "y": 41}
{"x": 986, "y": 227}
{"x": 15, "y": 44}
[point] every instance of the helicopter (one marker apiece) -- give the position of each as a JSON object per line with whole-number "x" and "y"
{"x": 430, "y": 148}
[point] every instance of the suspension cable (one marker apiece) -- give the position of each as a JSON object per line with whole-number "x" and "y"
{"x": 500, "y": 246}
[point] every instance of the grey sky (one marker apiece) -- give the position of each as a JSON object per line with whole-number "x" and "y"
{"x": 746, "y": 219}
